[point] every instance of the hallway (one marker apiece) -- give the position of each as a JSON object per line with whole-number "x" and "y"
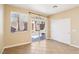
{"x": 43, "y": 47}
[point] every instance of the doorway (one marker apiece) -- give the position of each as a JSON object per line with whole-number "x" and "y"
{"x": 38, "y": 29}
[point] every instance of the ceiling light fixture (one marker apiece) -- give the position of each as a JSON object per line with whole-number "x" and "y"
{"x": 55, "y": 6}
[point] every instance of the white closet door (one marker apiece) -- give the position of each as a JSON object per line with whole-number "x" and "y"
{"x": 61, "y": 30}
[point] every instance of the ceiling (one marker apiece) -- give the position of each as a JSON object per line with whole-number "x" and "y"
{"x": 47, "y": 9}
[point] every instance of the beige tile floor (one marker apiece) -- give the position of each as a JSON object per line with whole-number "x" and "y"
{"x": 43, "y": 47}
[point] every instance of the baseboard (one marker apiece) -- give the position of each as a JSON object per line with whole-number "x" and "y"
{"x": 16, "y": 45}
{"x": 2, "y": 51}
{"x": 74, "y": 45}
{"x": 68, "y": 44}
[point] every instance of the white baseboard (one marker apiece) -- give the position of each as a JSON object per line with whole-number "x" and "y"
{"x": 69, "y": 44}
{"x": 13, "y": 46}
{"x": 74, "y": 45}
{"x": 2, "y": 51}
{"x": 16, "y": 45}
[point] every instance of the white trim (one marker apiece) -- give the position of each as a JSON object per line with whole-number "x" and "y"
{"x": 13, "y": 46}
{"x": 74, "y": 45}
{"x": 2, "y": 51}
{"x": 68, "y": 44}
{"x": 16, "y": 45}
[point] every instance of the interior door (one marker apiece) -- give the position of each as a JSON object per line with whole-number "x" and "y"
{"x": 61, "y": 30}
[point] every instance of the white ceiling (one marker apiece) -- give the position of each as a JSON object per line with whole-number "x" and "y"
{"x": 47, "y": 8}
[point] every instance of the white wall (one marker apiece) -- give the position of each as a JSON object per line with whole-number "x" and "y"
{"x": 1, "y": 28}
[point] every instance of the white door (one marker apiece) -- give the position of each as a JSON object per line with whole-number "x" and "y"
{"x": 61, "y": 30}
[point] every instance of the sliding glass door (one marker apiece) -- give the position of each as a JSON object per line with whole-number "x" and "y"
{"x": 38, "y": 29}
